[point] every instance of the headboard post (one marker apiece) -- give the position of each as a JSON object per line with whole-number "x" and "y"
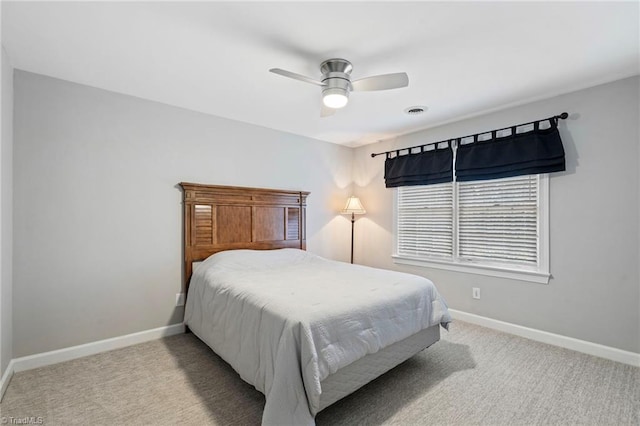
{"x": 218, "y": 218}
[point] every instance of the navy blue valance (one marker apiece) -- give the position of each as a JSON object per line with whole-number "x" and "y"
{"x": 533, "y": 152}
{"x": 423, "y": 168}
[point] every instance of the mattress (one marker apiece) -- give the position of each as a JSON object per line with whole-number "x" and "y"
{"x": 288, "y": 321}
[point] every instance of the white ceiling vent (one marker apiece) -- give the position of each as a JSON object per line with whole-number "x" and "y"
{"x": 415, "y": 110}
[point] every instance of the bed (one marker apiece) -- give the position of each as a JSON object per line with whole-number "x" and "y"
{"x": 304, "y": 330}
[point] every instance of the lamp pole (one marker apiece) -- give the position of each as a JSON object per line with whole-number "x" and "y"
{"x": 353, "y": 220}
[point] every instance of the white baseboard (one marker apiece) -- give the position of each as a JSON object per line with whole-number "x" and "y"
{"x": 6, "y": 378}
{"x": 578, "y": 345}
{"x": 53, "y": 357}
{"x": 66, "y": 354}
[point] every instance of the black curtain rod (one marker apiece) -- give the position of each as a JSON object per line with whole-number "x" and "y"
{"x": 562, "y": 116}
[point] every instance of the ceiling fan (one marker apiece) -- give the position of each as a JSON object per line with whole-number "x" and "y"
{"x": 336, "y": 83}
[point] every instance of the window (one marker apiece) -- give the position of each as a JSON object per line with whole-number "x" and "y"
{"x": 492, "y": 227}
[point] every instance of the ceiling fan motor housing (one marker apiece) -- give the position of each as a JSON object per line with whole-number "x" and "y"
{"x": 336, "y": 65}
{"x": 335, "y": 76}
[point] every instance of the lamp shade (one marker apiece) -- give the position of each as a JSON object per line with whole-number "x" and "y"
{"x": 353, "y": 206}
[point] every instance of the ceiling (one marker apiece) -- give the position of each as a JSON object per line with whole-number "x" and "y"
{"x": 462, "y": 58}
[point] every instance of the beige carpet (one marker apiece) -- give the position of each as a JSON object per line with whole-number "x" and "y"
{"x": 473, "y": 376}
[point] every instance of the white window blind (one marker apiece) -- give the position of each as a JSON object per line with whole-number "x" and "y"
{"x": 425, "y": 220}
{"x": 487, "y": 224}
{"x": 498, "y": 220}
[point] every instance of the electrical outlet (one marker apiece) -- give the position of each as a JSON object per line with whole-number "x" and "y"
{"x": 476, "y": 292}
{"x": 180, "y": 299}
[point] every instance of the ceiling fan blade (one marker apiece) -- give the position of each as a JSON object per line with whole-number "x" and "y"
{"x": 300, "y": 77}
{"x": 381, "y": 82}
{"x": 326, "y": 111}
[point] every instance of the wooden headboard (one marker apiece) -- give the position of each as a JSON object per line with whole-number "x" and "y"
{"x": 218, "y": 218}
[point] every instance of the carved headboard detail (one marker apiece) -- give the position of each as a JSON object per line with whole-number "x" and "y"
{"x": 218, "y": 218}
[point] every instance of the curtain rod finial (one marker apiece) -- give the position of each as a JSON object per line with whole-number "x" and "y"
{"x": 564, "y": 115}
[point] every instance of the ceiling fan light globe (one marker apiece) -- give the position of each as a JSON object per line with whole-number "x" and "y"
{"x": 335, "y": 101}
{"x": 335, "y": 98}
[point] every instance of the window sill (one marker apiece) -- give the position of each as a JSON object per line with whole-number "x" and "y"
{"x": 492, "y": 271}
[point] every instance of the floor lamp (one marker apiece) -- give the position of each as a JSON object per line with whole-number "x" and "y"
{"x": 353, "y": 207}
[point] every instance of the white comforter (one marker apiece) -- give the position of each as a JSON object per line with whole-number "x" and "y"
{"x": 286, "y": 319}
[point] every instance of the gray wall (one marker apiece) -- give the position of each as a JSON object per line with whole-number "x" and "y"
{"x": 6, "y": 212}
{"x": 88, "y": 265}
{"x": 594, "y": 294}
{"x": 98, "y": 216}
